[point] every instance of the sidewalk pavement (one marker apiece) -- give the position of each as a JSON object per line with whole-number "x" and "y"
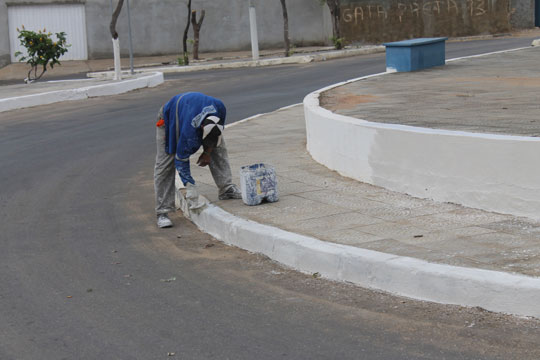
{"x": 315, "y": 201}
{"x": 18, "y": 71}
{"x": 20, "y": 96}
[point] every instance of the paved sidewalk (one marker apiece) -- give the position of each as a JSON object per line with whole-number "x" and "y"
{"x": 18, "y": 71}
{"x": 317, "y": 202}
{"x": 13, "y": 97}
{"x": 46, "y": 86}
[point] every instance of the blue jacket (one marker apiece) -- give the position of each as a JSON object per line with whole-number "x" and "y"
{"x": 191, "y": 108}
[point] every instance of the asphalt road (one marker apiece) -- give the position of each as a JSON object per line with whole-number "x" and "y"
{"x": 85, "y": 274}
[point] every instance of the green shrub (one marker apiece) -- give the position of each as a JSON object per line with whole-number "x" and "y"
{"x": 41, "y": 49}
{"x": 338, "y": 42}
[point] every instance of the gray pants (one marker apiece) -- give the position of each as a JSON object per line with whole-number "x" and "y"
{"x": 164, "y": 172}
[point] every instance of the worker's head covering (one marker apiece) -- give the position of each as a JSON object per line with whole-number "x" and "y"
{"x": 211, "y": 127}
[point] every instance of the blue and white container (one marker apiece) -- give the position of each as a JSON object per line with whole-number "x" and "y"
{"x": 258, "y": 182}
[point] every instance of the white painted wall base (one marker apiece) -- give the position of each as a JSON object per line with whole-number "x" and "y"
{"x": 491, "y": 172}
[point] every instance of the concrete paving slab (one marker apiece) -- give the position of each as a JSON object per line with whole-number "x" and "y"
{"x": 294, "y": 187}
{"x": 447, "y": 235}
{"x": 342, "y": 221}
{"x": 353, "y": 237}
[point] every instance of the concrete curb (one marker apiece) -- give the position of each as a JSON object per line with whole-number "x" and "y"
{"x": 86, "y": 92}
{"x": 302, "y": 59}
{"x": 404, "y": 276}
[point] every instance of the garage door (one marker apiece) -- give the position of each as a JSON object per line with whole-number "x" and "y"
{"x": 68, "y": 18}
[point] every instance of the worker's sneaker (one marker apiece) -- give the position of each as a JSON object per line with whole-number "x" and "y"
{"x": 231, "y": 193}
{"x": 163, "y": 221}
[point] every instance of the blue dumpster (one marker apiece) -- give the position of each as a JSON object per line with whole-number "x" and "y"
{"x": 415, "y": 54}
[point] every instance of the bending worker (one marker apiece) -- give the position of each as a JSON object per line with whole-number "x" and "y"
{"x": 186, "y": 122}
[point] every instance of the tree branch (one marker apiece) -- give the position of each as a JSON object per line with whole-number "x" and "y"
{"x": 115, "y": 14}
{"x": 184, "y": 39}
{"x": 286, "y": 29}
{"x": 196, "y": 30}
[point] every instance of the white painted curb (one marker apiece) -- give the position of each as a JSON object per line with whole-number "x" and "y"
{"x": 481, "y": 171}
{"x": 50, "y": 97}
{"x": 297, "y": 59}
{"x": 404, "y": 276}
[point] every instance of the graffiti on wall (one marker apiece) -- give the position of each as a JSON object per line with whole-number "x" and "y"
{"x": 394, "y": 19}
{"x": 415, "y": 9}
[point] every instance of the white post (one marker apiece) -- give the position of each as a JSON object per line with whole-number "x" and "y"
{"x": 253, "y": 28}
{"x": 117, "y": 64}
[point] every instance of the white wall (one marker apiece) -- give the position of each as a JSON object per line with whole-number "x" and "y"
{"x": 158, "y": 25}
{"x": 491, "y": 172}
{"x": 4, "y": 37}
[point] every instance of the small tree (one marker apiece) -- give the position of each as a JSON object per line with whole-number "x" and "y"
{"x": 41, "y": 51}
{"x": 335, "y": 12}
{"x": 116, "y": 41}
{"x": 196, "y": 32}
{"x": 286, "y": 28}
{"x": 184, "y": 39}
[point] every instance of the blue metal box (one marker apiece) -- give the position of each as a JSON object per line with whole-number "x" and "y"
{"x": 415, "y": 54}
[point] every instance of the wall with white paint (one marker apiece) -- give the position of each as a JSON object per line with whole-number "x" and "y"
{"x": 491, "y": 172}
{"x": 4, "y": 39}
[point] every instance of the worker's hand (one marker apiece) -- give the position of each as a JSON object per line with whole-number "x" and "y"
{"x": 204, "y": 159}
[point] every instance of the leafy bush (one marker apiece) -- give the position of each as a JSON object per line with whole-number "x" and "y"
{"x": 338, "y": 42}
{"x": 182, "y": 61}
{"x": 41, "y": 49}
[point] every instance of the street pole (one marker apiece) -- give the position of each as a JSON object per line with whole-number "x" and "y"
{"x": 253, "y": 28}
{"x": 130, "y": 42}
